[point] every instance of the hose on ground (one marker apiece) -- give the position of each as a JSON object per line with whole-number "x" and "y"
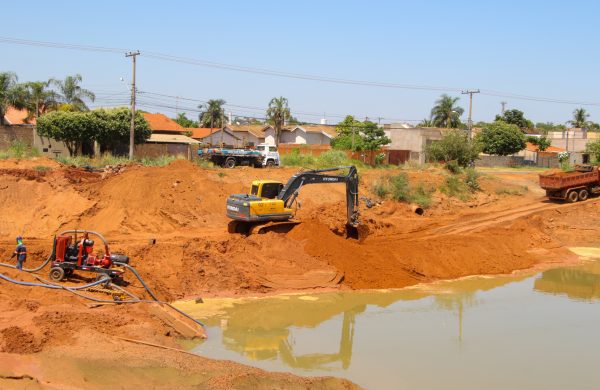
{"x": 52, "y": 286}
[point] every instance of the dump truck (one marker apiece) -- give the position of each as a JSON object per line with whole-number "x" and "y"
{"x": 572, "y": 186}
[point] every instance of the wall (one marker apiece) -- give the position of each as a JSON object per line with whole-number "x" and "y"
{"x": 499, "y": 161}
{"x": 246, "y": 138}
{"x": 228, "y": 139}
{"x": 317, "y": 139}
{"x": 414, "y": 140}
{"x": 50, "y": 147}
{"x": 8, "y": 134}
{"x": 154, "y": 149}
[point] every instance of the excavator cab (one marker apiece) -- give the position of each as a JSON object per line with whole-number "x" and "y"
{"x": 266, "y": 189}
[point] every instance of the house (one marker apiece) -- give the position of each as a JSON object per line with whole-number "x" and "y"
{"x": 575, "y": 142}
{"x": 167, "y": 144}
{"x": 216, "y": 136}
{"x": 161, "y": 124}
{"x": 547, "y": 158}
{"x": 302, "y": 135}
{"x": 250, "y": 135}
{"x": 20, "y": 127}
{"x": 410, "y": 143}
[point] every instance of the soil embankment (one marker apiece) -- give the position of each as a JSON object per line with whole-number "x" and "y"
{"x": 170, "y": 221}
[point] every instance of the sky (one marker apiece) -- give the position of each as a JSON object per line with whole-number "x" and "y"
{"x": 542, "y": 49}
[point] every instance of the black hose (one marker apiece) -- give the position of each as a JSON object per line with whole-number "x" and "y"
{"x": 52, "y": 286}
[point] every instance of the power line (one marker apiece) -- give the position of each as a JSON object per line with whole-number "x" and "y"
{"x": 271, "y": 72}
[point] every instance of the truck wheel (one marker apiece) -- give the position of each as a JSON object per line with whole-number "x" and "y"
{"x": 56, "y": 274}
{"x": 572, "y": 197}
{"x": 583, "y": 195}
{"x": 230, "y": 162}
{"x": 270, "y": 164}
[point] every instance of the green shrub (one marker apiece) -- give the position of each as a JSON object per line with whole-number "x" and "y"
{"x": 519, "y": 191}
{"x": 297, "y": 159}
{"x": 332, "y": 158}
{"x": 42, "y": 168}
{"x": 472, "y": 179}
{"x": 454, "y": 145}
{"x": 455, "y": 188}
{"x": 381, "y": 188}
{"x": 421, "y": 196}
{"x": 453, "y": 167}
{"x": 400, "y": 189}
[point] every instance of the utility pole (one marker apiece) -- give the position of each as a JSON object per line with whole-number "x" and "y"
{"x": 133, "y": 55}
{"x": 503, "y": 106}
{"x": 470, "y": 92}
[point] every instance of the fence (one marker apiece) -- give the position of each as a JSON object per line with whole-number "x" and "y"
{"x": 499, "y": 161}
{"x": 9, "y": 134}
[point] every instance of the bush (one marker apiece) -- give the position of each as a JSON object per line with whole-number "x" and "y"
{"x": 297, "y": 159}
{"x": 381, "y": 189}
{"x": 472, "y": 179}
{"x": 512, "y": 191}
{"x": 454, "y": 145}
{"x": 332, "y": 158}
{"x": 452, "y": 167}
{"x": 421, "y": 196}
{"x": 455, "y": 188}
{"x": 400, "y": 190}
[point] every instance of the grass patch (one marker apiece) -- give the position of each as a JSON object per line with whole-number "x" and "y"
{"x": 328, "y": 159}
{"x": 42, "y": 168}
{"x": 455, "y": 188}
{"x": 399, "y": 189}
{"x": 108, "y": 159}
{"x": 472, "y": 179}
{"x": 20, "y": 150}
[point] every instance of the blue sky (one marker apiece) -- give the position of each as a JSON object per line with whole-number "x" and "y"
{"x": 536, "y": 48}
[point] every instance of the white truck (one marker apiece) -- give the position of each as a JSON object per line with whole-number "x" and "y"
{"x": 270, "y": 154}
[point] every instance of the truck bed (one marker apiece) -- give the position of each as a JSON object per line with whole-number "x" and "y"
{"x": 564, "y": 180}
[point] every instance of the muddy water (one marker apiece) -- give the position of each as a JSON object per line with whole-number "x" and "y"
{"x": 536, "y": 331}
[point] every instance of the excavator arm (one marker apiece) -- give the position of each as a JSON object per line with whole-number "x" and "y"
{"x": 289, "y": 192}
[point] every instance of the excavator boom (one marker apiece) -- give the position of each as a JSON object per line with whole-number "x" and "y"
{"x": 263, "y": 206}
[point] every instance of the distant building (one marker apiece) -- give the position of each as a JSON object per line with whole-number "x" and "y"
{"x": 410, "y": 143}
{"x": 216, "y": 136}
{"x": 574, "y": 141}
{"x": 302, "y": 135}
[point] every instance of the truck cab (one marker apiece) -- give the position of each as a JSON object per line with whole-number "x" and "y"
{"x": 270, "y": 153}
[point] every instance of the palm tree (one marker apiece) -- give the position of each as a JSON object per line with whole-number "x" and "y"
{"x": 11, "y": 93}
{"x": 426, "y": 123}
{"x": 445, "y": 113}
{"x": 71, "y": 93}
{"x": 277, "y": 113}
{"x": 39, "y": 99}
{"x": 213, "y": 115}
{"x": 580, "y": 116}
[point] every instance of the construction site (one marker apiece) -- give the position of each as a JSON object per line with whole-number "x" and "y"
{"x": 170, "y": 238}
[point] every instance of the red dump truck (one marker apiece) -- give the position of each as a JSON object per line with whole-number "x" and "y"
{"x": 572, "y": 186}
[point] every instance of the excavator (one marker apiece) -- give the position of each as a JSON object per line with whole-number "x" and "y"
{"x": 268, "y": 207}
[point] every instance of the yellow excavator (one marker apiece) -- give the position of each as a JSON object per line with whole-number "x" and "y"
{"x": 268, "y": 207}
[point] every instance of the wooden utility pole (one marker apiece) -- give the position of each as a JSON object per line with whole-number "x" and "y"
{"x": 470, "y": 120}
{"x": 133, "y": 55}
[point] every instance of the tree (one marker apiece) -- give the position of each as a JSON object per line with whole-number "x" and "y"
{"x": 184, "y": 121}
{"x": 278, "y": 113}
{"x": 71, "y": 93}
{"x": 212, "y": 114}
{"x": 426, "y": 123}
{"x": 39, "y": 99}
{"x": 114, "y": 124}
{"x": 445, "y": 113}
{"x": 580, "y": 117}
{"x": 373, "y": 136}
{"x": 349, "y": 135}
{"x": 72, "y": 128}
{"x": 542, "y": 142}
{"x": 501, "y": 138}
{"x": 594, "y": 149}
{"x": 455, "y": 145}
{"x": 109, "y": 127}
{"x": 11, "y": 94}
{"x": 515, "y": 117}
{"x": 544, "y": 128}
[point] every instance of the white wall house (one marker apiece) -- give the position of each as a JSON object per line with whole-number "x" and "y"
{"x": 302, "y": 135}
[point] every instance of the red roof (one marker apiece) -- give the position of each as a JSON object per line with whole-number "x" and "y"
{"x": 551, "y": 149}
{"x": 160, "y": 122}
{"x": 18, "y": 117}
{"x": 202, "y": 132}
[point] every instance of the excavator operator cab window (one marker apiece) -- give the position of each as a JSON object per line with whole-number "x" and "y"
{"x": 271, "y": 190}
{"x": 254, "y": 190}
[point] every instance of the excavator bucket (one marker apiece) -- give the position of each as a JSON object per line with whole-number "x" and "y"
{"x": 357, "y": 232}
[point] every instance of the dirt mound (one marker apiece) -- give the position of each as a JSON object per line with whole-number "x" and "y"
{"x": 16, "y": 340}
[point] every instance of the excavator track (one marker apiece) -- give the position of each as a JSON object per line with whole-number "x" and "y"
{"x": 248, "y": 228}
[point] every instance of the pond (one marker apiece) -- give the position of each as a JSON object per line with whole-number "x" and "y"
{"x": 534, "y": 331}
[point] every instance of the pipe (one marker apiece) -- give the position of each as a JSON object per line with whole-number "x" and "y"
{"x": 417, "y": 209}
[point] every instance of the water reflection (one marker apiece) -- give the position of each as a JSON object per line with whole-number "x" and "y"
{"x": 580, "y": 283}
{"x": 263, "y": 329}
